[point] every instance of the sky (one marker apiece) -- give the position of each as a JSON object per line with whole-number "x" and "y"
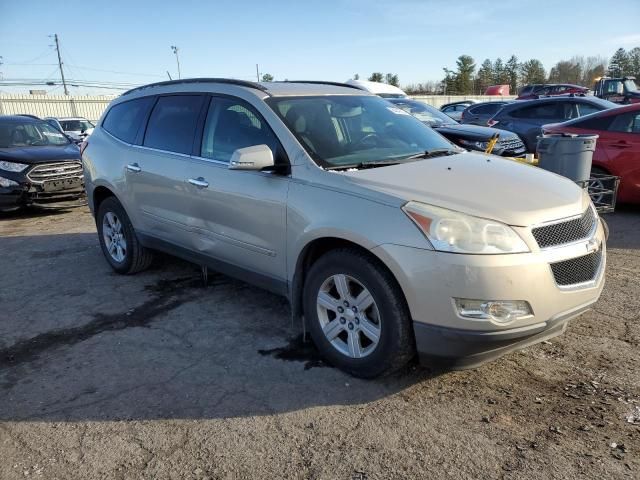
{"x": 130, "y": 41}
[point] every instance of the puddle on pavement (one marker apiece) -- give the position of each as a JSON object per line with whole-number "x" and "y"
{"x": 297, "y": 350}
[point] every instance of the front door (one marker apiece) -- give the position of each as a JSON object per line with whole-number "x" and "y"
{"x": 239, "y": 216}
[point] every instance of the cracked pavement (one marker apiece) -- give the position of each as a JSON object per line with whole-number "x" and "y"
{"x": 156, "y": 376}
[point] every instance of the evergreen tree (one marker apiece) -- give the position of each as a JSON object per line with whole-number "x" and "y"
{"x": 532, "y": 71}
{"x": 376, "y": 77}
{"x": 634, "y": 62}
{"x": 464, "y": 75}
{"x": 485, "y": 75}
{"x": 512, "y": 70}
{"x": 619, "y": 64}
{"x": 392, "y": 79}
{"x": 498, "y": 72}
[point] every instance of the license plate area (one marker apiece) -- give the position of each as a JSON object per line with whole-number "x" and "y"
{"x": 62, "y": 184}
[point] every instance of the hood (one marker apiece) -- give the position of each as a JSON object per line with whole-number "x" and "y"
{"x": 33, "y": 155}
{"x": 473, "y": 132}
{"x": 482, "y": 185}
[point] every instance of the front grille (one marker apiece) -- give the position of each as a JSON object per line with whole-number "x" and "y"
{"x": 55, "y": 171}
{"x": 577, "y": 270}
{"x": 565, "y": 232}
{"x": 511, "y": 144}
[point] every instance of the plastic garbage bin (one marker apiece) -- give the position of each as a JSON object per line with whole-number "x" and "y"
{"x": 568, "y": 155}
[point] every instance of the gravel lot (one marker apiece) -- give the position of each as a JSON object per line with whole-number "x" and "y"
{"x": 156, "y": 376}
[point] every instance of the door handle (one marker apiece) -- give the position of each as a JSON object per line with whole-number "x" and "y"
{"x": 198, "y": 182}
{"x": 134, "y": 167}
{"x": 621, "y": 145}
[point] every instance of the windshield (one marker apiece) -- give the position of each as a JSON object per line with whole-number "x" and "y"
{"x": 76, "y": 125}
{"x": 31, "y": 134}
{"x": 425, "y": 113}
{"x": 346, "y": 130}
{"x": 630, "y": 85}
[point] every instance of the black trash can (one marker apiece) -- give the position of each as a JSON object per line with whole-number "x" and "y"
{"x": 568, "y": 155}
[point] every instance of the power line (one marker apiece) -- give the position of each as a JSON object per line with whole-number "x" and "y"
{"x": 115, "y": 71}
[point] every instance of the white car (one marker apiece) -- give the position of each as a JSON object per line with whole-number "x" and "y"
{"x": 76, "y": 128}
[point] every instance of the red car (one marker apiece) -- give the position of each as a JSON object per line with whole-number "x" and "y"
{"x": 550, "y": 90}
{"x": 618, "y": 146}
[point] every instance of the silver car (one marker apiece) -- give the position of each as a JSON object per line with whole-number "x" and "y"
{"x": 386, "y": 238}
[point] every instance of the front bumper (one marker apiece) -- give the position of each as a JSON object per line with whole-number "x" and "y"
{"x": 29, "y": 193}
{"x": 431, "y": 280}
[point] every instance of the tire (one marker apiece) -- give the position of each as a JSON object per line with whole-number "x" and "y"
{"x": 131, "y": 257}
{"x": 596, "y": 184}
{"x": 350, "y": 339}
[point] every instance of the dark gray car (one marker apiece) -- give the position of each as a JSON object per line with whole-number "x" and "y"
{"x": 527, "y": 117}
{"x": 480, "y": 113}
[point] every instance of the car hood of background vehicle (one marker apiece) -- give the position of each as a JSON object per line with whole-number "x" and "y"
{"x": 45, "y": 154}
{"x": 473, "y": 132}
{"x": 482, "y": 185}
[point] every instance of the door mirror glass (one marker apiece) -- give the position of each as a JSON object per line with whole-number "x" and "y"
{"x": 257, "y": 157}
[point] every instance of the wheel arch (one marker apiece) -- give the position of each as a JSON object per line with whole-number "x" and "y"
{"x": 315, "y": 249}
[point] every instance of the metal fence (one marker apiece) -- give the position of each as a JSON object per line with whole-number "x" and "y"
{"x": 92, "y": 107}
{"x": 54, "y": 106}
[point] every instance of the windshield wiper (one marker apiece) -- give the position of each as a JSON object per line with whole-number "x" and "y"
{"x": 438, "y": 152}
{"x": 362, "y": 165}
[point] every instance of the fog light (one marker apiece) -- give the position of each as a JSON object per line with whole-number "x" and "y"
{"x": 500, "y": 311}
{"x": 5, "y": 182}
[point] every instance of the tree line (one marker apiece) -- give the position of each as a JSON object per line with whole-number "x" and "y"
{"x": 467, "y": 79}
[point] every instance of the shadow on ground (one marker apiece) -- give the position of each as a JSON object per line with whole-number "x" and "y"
{"x": 83, "y": 343}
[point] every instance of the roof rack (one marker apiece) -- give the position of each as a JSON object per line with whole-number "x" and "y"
{"x": 322, "y": 82}
{"x": 231, "y": 81}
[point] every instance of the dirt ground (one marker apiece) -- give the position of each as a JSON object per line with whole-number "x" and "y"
{"x": 156, "y": 376}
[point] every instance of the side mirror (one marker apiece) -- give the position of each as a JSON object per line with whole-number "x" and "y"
{"x": 257, "y": 157}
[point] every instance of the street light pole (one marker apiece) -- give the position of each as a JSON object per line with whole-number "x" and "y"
{"x": 175, "y": 51}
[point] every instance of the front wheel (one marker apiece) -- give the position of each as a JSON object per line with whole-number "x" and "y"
{"x": 357, "y": 315}
{"x": 118, "y": 239}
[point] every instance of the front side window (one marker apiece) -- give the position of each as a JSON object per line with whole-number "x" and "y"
{"x": 342, "y": 130}
{"x": 626, "y": 123}
{"x": 125, "y": 119}
{"x": 40, "y": 134}
{"x": 232, "y": 124}
{"x": 172, "y": 124}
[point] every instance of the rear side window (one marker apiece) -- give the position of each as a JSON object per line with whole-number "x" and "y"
{"x": 587, "y": 109}
{"x": 596, "y": 123}
{"x": 124, "y": 119}
{"x": 546, "y": 110}
{"x": 172, "y": 124}
{"x": 485, "y": 109}
{"x": 233, "y": 124}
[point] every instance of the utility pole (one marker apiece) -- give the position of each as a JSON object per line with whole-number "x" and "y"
{"x": 257, "y": 72}
{"x": 175, "y": 50}
{"x": 64, "y": 82}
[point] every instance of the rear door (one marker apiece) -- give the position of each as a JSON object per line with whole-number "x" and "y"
{"x": 158, "y": 176}
{"x": 239, "y": 217}
{"x": 622, "y": 146}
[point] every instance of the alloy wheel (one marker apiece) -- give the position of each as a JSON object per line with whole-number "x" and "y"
{"x": 114, "y": 238}
{"x": 349, "y": 316}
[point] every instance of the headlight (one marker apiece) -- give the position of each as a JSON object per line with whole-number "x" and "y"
{"x": 5, "y": 183}
{"x": 478, "y": 145}
{"x": 12, "y": 166}
{"x": 450, "y": 231}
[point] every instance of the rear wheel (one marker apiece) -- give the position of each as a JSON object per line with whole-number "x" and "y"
{"x": 357, "y": 315}
{"x": 118, "y": 239}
